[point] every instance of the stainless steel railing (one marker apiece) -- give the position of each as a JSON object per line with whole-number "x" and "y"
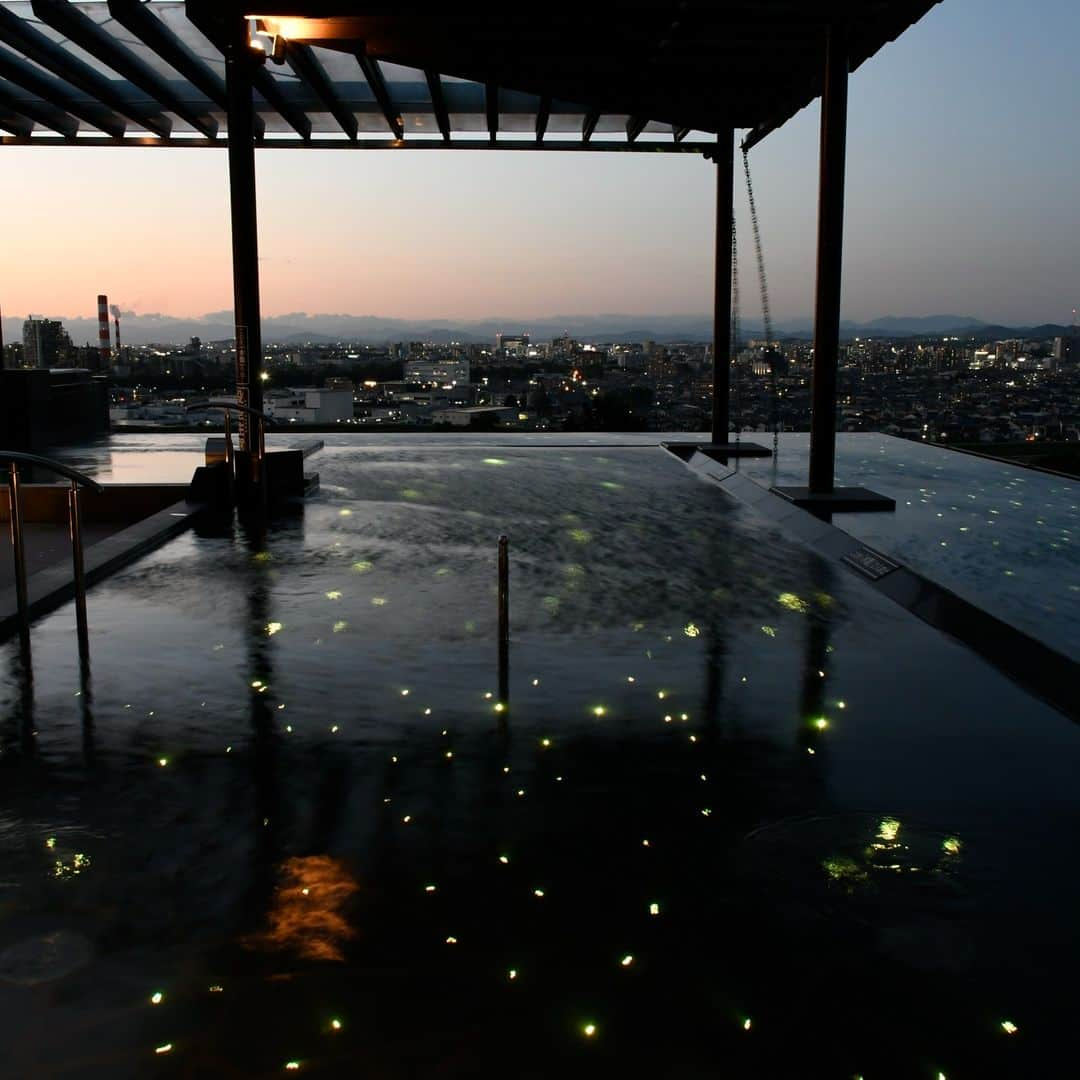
{"x": 229, "y": 406}
{"x": 258, "y": 461}
{"x": 18, "y": 545}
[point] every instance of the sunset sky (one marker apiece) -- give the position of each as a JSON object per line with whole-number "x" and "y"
{"x": 962, "y": 171}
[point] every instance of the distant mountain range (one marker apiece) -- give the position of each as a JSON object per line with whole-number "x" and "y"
{"x": 300, "y": 327}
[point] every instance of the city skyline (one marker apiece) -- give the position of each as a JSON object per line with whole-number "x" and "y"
{"x": 959, "y": 200}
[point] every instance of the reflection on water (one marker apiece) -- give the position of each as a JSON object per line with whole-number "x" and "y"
{"x": 306, "y": 913}
{"x": 740, "y": 808}
{"x": 1004, "y": 537}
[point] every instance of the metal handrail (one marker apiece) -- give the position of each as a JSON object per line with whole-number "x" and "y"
{"x": 258, "y": 461}
{"x": 227, "y": 405}
{"x": 57, "y": 467}
{"x": 18, "y": 547}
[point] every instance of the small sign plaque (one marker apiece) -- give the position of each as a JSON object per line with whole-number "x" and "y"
{"x": 870, "y": 564}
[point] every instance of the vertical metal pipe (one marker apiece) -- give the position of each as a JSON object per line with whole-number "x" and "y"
{"x": 245, "y": 235}
{"x": 504, "y": 619}
{"x": 260, "y": 450}
{"x": 725, "y": 169}
{"x": 18, "y": 552}
{"x": 830, "y": 257}
{"x": 75, "y": 523}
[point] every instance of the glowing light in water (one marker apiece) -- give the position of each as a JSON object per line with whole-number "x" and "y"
{"x": 1009, "y": 1027}
{"x": 627, "y": 960}
{"x": 334, "y": 594}
{"x": 494, "y": 461}
{"x": 589, "y": 1030}
{"x": 654, "y": 908}
{"x": 163, "y": 1049}
{"x": 691, "y": 630}
{"x": 272, "y": 628}
{"x": 769, "y": 630}
{"x": 362, "y": 566}
{"x": 888, "y": 829}
{"x": 951, "y": 846}
{"x": 378, "y": 601}
{"x": 157, "y": 997}
{"x": 792, "y": 602}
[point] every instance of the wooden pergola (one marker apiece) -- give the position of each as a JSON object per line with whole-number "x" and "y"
{"x": 656, "y": 76}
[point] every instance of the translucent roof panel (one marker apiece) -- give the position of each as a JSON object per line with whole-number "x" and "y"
{"x": 174, "y": 17}
{"x": 421, "y": 123}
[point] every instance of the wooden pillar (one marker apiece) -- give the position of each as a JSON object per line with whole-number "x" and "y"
{"x": 721, "y": 398}
{"x": 829, "y": 263}
{"x": 239, "y": 60}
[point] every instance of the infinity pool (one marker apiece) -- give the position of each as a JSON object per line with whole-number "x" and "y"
{"x": 742, "y": 815}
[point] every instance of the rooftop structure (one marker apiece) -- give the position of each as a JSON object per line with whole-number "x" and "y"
{"x": 210, "y": 72}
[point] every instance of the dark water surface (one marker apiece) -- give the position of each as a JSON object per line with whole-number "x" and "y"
{"x": 742, "y": 817}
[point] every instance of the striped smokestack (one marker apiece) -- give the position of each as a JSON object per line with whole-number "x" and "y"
{"x": 103, "y": 330}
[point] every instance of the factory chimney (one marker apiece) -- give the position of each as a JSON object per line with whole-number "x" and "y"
{"x": 116, "y": 321}
{"x": 103, "y": 331}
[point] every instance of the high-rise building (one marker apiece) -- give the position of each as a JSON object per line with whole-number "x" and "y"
{"x": 1067, "y": 348}
{"x": 512, "y": 344}
{"x": 45, "y": 343}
